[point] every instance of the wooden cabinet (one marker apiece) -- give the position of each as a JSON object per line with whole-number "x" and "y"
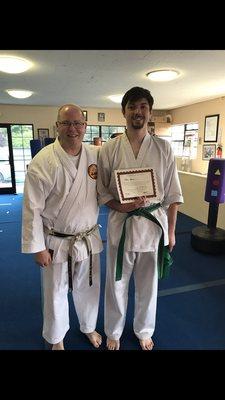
{"x": 163, "y": 129}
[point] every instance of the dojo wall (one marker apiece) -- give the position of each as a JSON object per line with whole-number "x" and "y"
{"x": 193, "y": 186}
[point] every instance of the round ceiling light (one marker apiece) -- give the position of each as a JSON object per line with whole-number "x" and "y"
{"x": 19, "y": 94}
{"x": 116, "y": 98}
{"x": 162, "y": 75}
{"x": 14, "y": 65}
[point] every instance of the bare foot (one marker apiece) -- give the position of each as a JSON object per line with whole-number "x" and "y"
{"x": 146, "y": 344}
{"x": 113, "y": 344}
{"x": 94, "y": 338}
{"x": 58, "y": 346}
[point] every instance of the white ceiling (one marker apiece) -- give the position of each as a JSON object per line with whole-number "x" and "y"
{"x": 87, "y": 77}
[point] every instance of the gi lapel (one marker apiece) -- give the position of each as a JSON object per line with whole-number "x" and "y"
{"x": 128, "y": 151}
{"x": 64, "y": 159}
{"x": 77, "y": 193}
{"x": 143, "y": 150}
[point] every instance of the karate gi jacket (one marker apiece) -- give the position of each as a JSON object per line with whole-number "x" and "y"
{"x": 142, "y": 235}
{"x": 59, "y": 196}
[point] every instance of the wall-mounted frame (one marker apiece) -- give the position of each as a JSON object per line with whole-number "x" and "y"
{"x": 151, "y": 127}
{"x": 211, "y": 128}
{"x": 208, "y": 151}
{"x": 101, "y": 117}
{"x": 85, "y": 115}
{"x": 43, "y": 133}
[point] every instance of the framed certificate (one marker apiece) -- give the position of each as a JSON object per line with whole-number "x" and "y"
{"x": 211, "y": 128}
{"x": 134, "y": 183}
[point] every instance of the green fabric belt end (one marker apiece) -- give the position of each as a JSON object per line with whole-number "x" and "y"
{"x": 167, "y": 261}
{"x": 164, "y": 258}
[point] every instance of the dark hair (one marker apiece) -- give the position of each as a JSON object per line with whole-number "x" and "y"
{"x": 115, "y": 135}
{"x": 135, "y": 94}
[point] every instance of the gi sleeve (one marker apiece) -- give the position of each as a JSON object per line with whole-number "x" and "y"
{"x": 104, "y": 176}
{"x": 32, "y": 226}
{"x": 172, "y": 188}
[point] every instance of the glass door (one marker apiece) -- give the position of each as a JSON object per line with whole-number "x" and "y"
{"x": 21, "y": 137}
{"x": 7, "y": 173}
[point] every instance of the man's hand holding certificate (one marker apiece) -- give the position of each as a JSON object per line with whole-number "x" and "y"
{"x": 134, "y": 183}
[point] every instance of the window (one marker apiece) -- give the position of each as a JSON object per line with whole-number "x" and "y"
{"x": 103, "y": 131}
{"x": 190, "y": 141}
{"x": 184, "y": 140}
{"x": 177, "y": 141}
{"x": 107, "y": 131}
{"x": 91, "y": 132}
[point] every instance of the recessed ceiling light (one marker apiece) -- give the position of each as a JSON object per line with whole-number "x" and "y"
{"x": 14, "y": 65}
{"x": 19, "y": 94}
{"x": 162, "y": 75}
{"x": 116, "y": 98}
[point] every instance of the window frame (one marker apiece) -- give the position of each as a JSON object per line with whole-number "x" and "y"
{"x": 100, "y": 133}
{"x": 187, "y": 128}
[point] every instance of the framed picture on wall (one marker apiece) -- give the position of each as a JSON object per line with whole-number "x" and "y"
{"x": 101, "y": 117}
{"x": 211, "y": 128}
{"x": 43, "y": 133}
{"x": 209, "y": 151}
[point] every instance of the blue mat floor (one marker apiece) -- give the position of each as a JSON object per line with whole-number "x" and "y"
{"x": 191, "y": 301}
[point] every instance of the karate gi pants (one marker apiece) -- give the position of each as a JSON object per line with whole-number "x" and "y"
{"x": 144, "y": 267}
{"x": 55, "y": 298}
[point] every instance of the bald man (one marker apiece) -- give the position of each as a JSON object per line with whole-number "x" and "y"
{"x": 60, "y": 227}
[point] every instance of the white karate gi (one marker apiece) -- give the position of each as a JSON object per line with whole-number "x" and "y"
{"x": 60, "y": 196}
{"x": 142, "y": 235}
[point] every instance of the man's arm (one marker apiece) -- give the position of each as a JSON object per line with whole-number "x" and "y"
{"x": 172, "y": 218}
{"x": 32, "y": 225}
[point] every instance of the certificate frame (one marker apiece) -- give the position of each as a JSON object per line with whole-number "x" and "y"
{"x": 208, "y": 151}
{"x": 211, "y": 128}
{"x": 119, "y": 175}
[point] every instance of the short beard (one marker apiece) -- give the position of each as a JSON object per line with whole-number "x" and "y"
{"x": 138, "y": 126}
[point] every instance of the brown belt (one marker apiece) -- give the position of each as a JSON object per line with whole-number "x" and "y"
{"x": 73, "y": 238}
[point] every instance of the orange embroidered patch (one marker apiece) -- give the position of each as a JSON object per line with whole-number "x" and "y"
{"x": 92, "y": 171}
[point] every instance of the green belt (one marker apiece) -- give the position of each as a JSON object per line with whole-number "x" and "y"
{"x": 164, "y": 258}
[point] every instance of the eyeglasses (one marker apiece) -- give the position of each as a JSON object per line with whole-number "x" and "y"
{"x": 76, "y": 124}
